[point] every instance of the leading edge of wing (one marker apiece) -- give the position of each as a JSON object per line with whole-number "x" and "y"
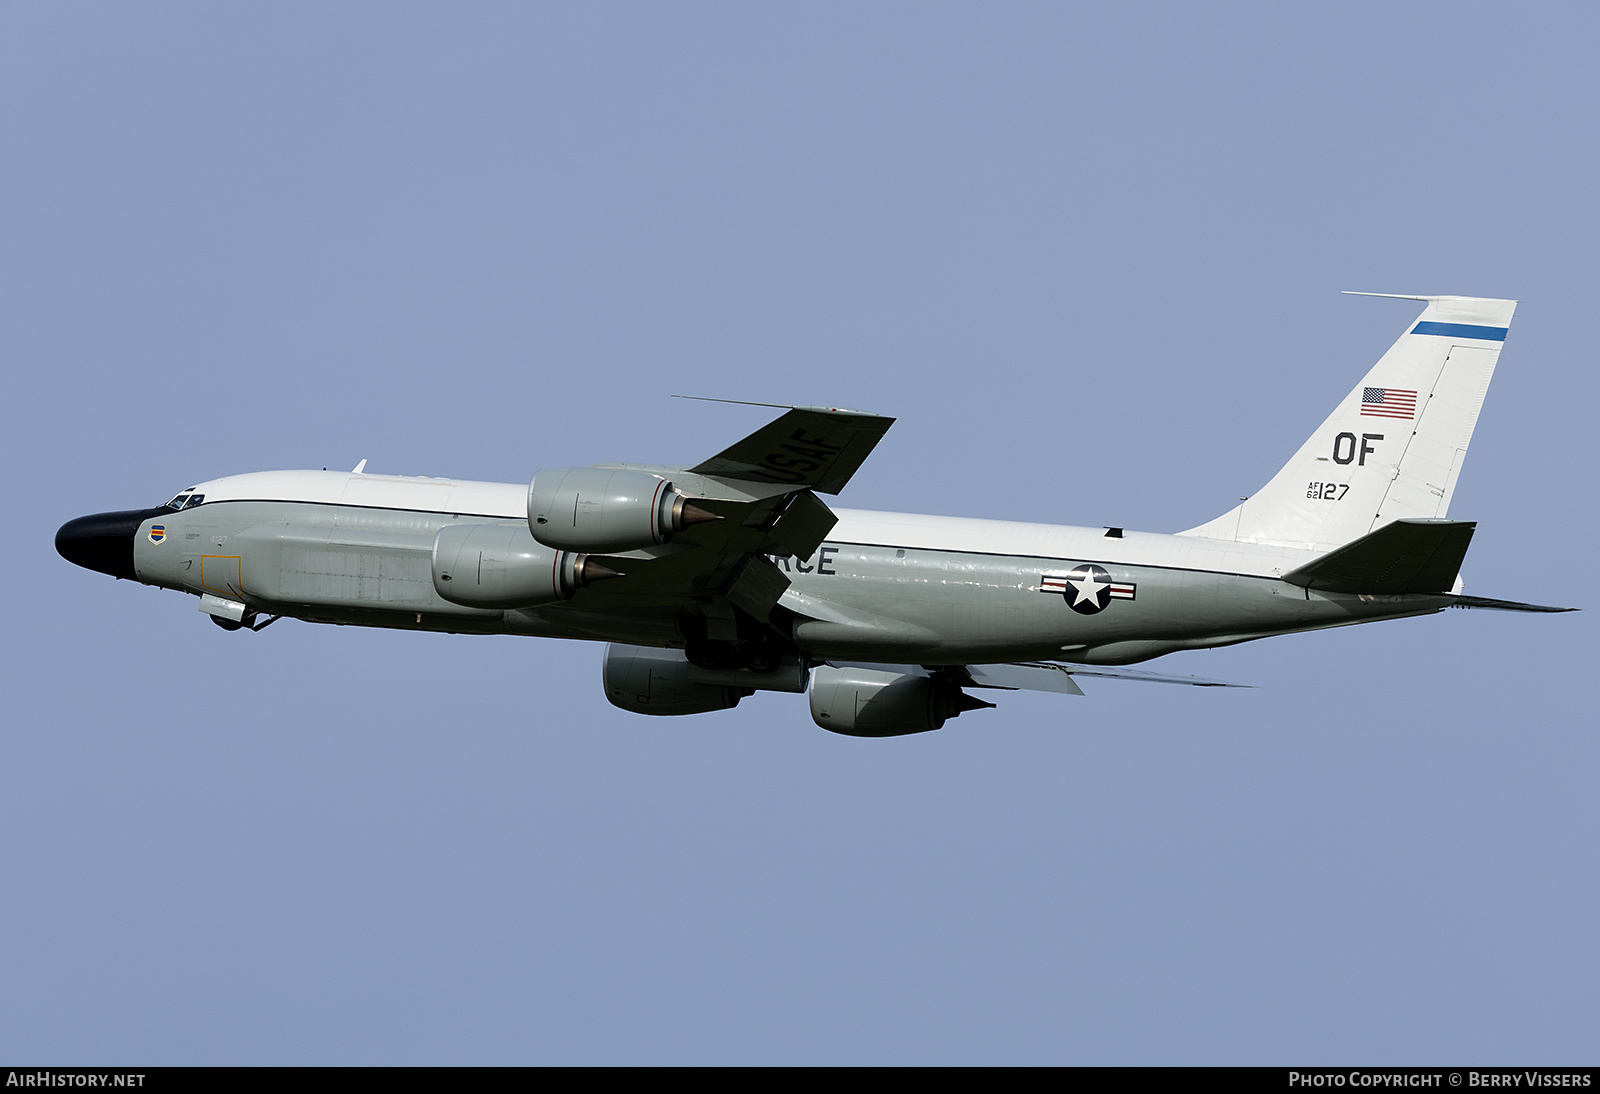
{"x": 808, "y": 447}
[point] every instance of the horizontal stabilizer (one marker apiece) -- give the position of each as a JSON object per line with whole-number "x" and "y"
{"x": 1414, "y": 555}
{"x": 812, "y": 447}
{"x": 1504, "y": 605}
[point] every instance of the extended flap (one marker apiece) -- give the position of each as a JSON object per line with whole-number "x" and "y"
{"x": 801, "y": 527}
{"x": 758, "y": 586}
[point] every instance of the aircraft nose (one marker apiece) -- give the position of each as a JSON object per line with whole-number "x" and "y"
{"x": 102, "y": 542}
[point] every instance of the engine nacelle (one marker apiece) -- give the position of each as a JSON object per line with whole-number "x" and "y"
{"x": 870, "y": 702}
{"x": 594, "y": 509}
{"x": 495, "y": 566}
{"x": 645, "y": 680}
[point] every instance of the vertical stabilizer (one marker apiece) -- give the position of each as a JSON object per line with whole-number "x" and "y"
{"x": 1393, "y": 448}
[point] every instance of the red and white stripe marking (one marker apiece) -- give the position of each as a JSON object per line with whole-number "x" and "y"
{"x": 1058, "y": 583}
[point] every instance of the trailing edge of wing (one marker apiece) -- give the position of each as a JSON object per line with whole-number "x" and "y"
{"x": 813, "y": 447}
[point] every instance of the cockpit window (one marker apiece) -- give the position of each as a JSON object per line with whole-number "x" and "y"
{"x": 186, "y": 500}
{"x": 177, "y": 502}
{"x": 195, "y": 499}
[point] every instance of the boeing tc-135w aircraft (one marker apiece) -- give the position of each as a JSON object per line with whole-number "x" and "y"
{"x": 715, "y": 581}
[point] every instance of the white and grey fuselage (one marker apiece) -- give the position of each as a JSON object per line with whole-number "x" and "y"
{"x": 337, "y": 547}
{"x": 731, "y": 576}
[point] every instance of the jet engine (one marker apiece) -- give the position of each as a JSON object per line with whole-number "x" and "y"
{"x": 645, "y": 680}
{"x": 595, "y": 509}
{"x": 871, "y": 702}
{"x": 495, "y": 566}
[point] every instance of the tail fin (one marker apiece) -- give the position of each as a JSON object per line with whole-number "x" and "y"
{"x": 1392, "y": 450}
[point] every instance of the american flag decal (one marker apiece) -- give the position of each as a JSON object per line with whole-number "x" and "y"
{"x": 1388, "y": 402}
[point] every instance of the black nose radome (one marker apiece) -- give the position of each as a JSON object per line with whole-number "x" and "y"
{"x": 103, "y": 542}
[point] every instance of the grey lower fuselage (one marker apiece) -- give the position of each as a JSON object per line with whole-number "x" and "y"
{"x": 883, "y": 587}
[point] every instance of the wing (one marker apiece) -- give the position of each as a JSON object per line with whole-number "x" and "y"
{"x": 809, "y": 447}
{"x": 763, "y": 489}
{"x": 1021, "y": 676}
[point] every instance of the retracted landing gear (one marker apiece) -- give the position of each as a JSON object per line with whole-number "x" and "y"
{"x": 231, "y": 615}
{"x": 246, "y": 622}
{"x": 740, "y": 642}
{"x": 758, "y": 655}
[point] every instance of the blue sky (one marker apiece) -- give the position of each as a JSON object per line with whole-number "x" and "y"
{"x": 1091, "y": 258}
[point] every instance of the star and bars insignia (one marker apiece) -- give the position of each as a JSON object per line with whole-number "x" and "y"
{"x": 1087, "y": 589}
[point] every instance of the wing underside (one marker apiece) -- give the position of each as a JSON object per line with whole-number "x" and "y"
{"x": 1053, "y": 677}
{"x": 1047, "y": 676}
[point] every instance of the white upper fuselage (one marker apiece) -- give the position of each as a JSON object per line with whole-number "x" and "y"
{"x": 508, "y": 501}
